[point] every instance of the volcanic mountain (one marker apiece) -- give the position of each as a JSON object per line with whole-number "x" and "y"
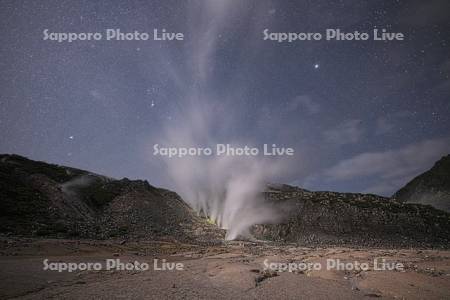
{"x": 431, "y": 187}
{"x": 40, "y": 199}
{"x": 45, "y": 200}
{"x": 342, "y": 219}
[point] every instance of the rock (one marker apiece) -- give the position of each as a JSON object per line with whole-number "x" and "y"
{"x": 47, "y": 200}
{"x": 348, "y": 219}
{"x": 432, "y": 187}
{"x": 374, "y": 295}
{"x": 264, "y": 275}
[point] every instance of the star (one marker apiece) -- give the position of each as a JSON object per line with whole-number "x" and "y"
{"x": 113, "y": 90}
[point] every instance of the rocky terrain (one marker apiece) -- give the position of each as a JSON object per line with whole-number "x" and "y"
{"x": 330, "y": 218}
{"x": 40, "y": 199}
{"x": 70, "y": 216}
{"x": 232, "y": 270}
{"x": 431, "y": 187}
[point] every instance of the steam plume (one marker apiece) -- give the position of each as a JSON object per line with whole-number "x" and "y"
{"x": 227, "y": 189}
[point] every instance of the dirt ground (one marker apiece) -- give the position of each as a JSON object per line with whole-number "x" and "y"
{"x": 234, "y": 270}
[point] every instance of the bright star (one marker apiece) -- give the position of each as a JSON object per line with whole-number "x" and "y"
{"x": 316, "y": 66}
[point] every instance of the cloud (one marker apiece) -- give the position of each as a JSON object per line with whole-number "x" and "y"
{"x": 386, "y": 188}
{"x": 348, "y": 132}
{"x": 391, "y": 168}
{"x": 304, "y": 103}
{"x": 383, "y": 126}
{"x": 388, "y": 124}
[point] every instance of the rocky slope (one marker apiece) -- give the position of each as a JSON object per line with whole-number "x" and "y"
{"x": 431, "y": 187}
{"x": 41, "y": 199}
{"x": 329, "y": 218}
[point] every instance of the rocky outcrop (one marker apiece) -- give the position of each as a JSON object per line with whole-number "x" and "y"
{"x": 330, "y": 218}
{"x": 431, "y": 187}
{"x": 40, "y": 199}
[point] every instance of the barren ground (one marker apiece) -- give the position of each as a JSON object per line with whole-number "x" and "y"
{"x": 231, "y": 270}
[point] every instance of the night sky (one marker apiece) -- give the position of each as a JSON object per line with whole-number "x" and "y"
{"x": 362, "y": 116}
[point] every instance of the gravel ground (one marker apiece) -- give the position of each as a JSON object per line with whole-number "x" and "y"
{"x": 233, "y": 270}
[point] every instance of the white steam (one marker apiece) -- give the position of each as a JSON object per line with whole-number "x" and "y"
{"x": 70, "y": 187}
{"x": 227, "y": 189}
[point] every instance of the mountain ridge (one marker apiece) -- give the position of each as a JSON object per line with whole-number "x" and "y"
{"x": 41, "y": 199}
{"x": 432, "y": 187}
